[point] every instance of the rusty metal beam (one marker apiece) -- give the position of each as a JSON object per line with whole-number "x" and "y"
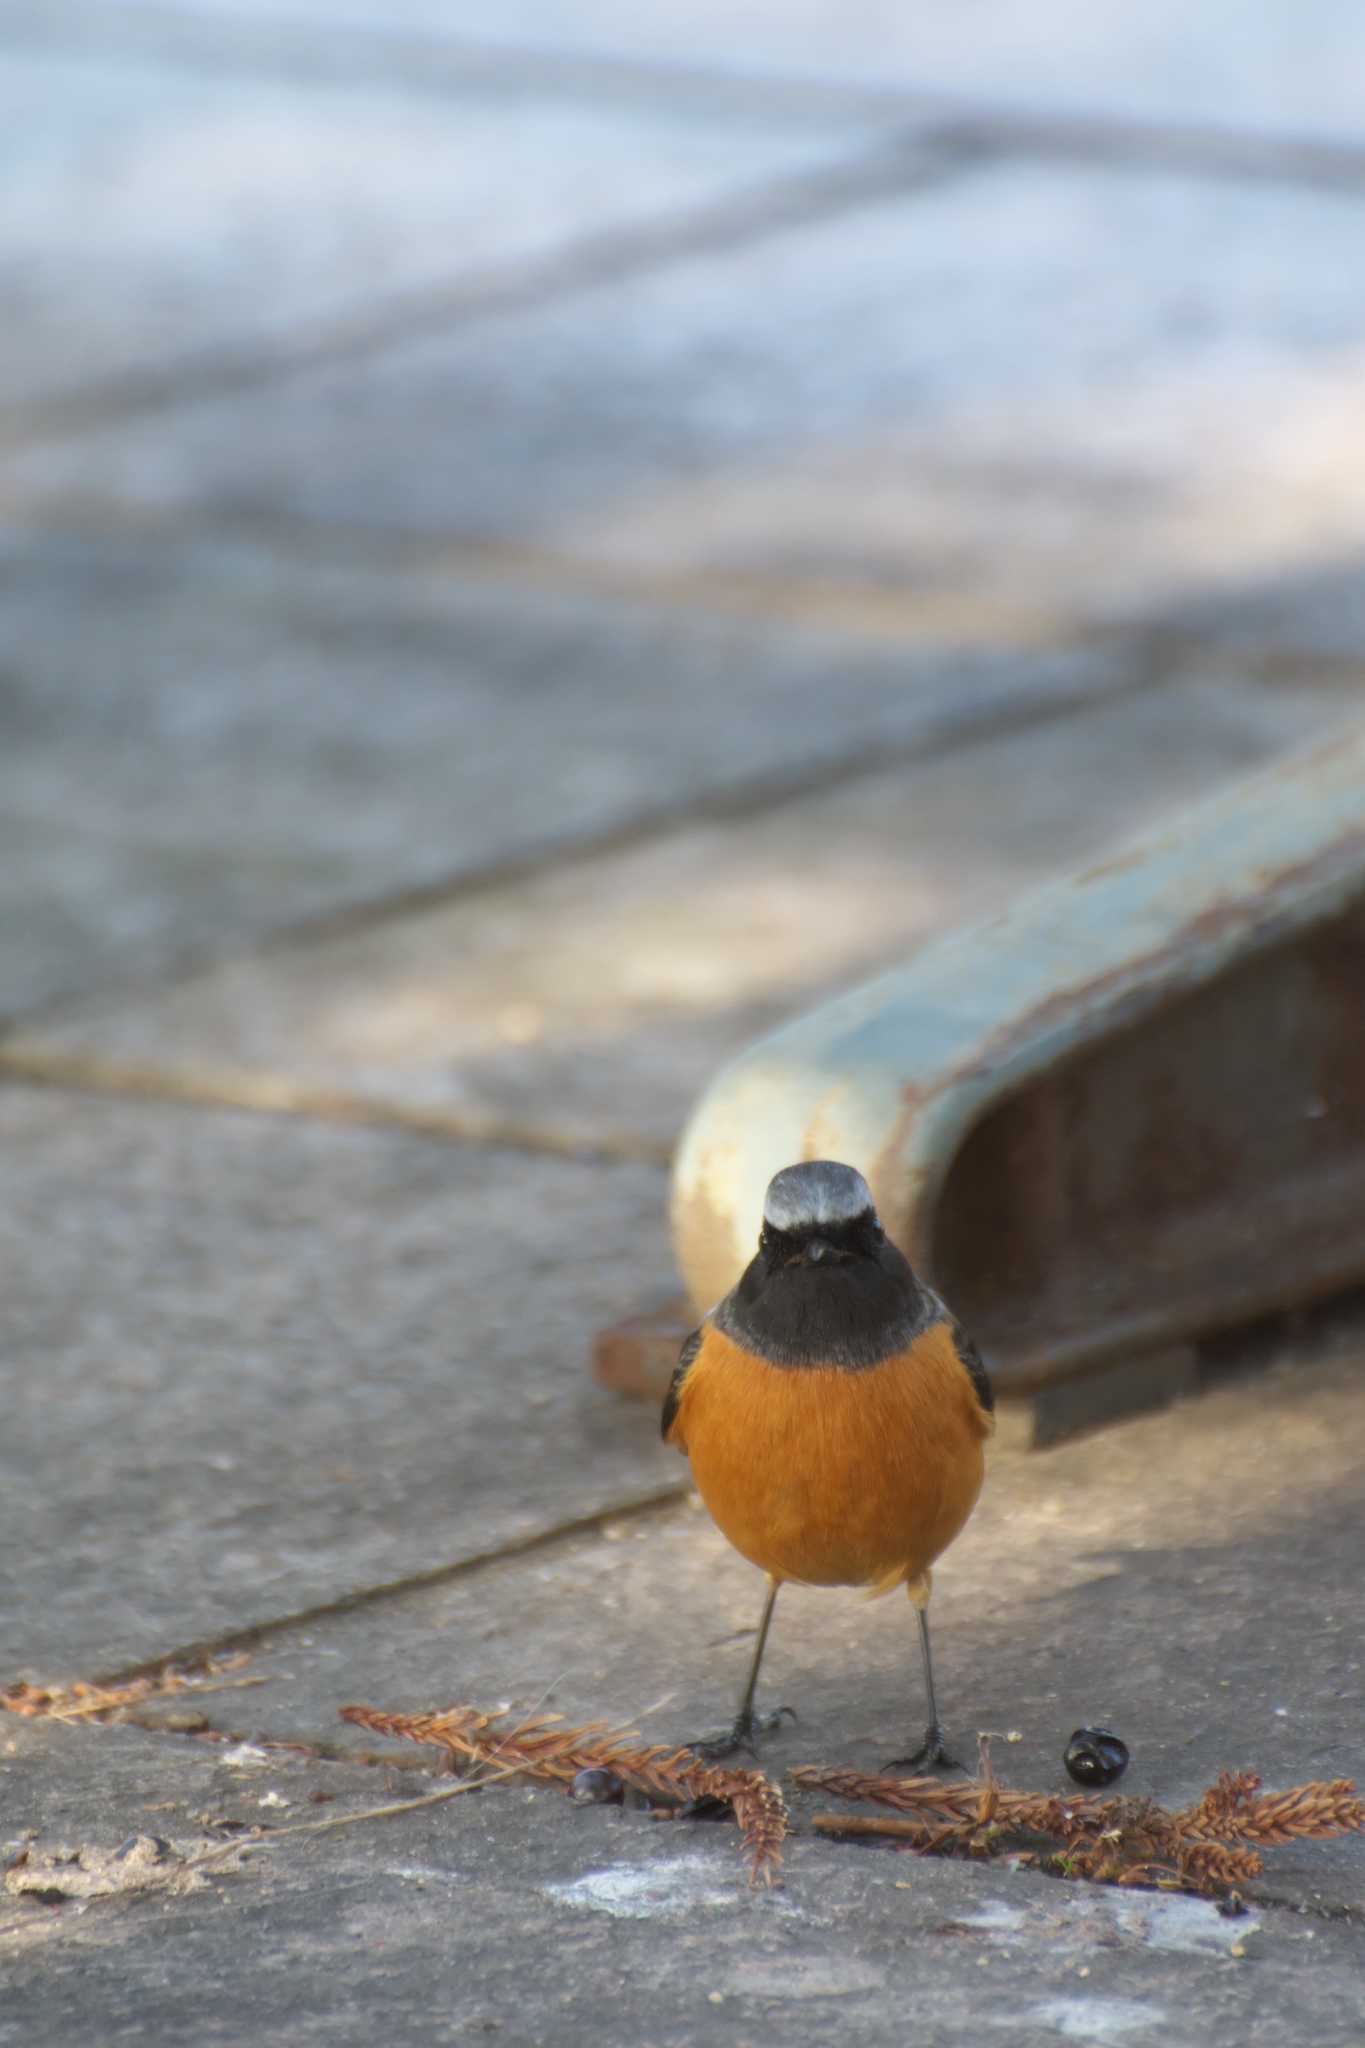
{"x": 1125, "y": 1114}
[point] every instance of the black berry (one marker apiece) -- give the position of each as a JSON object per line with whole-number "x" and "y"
{"x": 1095, "y": 1756}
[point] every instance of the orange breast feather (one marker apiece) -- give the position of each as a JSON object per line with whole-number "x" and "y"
{"x": 831, "y": 1477}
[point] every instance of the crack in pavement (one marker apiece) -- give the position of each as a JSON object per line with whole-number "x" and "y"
{"x": 655, "y": 1501}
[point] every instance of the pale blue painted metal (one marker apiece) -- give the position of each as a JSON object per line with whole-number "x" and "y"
{"x": 894, "y": 1075}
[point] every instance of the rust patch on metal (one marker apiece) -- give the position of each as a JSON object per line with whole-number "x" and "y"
{"x": 1142, "y": 978}
{"x": 1117, "y": 864}
{"x": 898, "y": 1196}
{"x": 1147, "y": 971}
{"x": 1177, "y": 1175}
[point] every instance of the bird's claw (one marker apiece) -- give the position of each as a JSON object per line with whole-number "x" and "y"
{"x": 932, "y": 1754}
{"x": 748, "y": 1728}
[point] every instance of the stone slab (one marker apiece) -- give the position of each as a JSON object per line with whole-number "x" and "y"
{"x": 152, "y": 214}
{"x": 1152, "y": 1575}
{"x": 204, "y": 744}
{"x": 592, "y": 1001}
{"x": 513, "y": 1915}
{"x": 1044, "y": 393}
{"x": 1222, "y": 65}
{"x": 253, "y": 1365}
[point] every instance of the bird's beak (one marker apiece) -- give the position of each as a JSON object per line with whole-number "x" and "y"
{"x": 816, "y": 1250}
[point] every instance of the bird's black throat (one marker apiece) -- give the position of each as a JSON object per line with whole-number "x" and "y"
{"x": 852, "y": 1304}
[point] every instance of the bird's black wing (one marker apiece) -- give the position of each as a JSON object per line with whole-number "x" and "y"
{"x": 975, "y": 1367}
{"x": 685, "y": 1358}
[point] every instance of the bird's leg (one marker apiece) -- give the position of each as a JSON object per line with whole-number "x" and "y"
{"x": 933, "y": 1750}
{"x": 747, "y": 1724}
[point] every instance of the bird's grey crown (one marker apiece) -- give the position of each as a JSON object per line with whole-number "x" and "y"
{"x": 819, "y": 1191}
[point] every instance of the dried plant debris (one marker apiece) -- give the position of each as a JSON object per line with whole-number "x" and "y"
{"x": 144, "y": 1863}
{"x": 1211, "y": 1848}
{"x": 84, "y": 1701}
{"x": 672, "y": 1781}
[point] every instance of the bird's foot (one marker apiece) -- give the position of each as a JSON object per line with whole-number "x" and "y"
{"x": 745, "y": 1732}
{"x": 932, "y": 1754}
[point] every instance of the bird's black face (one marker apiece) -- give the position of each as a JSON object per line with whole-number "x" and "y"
{"x": 815, "y": 1244}
{"x": 826, "y": 1286}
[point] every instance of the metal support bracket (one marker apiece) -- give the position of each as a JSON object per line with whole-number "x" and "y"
{"x": 1125, "y": 1114}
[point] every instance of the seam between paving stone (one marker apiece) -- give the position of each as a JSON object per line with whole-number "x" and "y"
{"x": 915, "y": 616}
{"x": 783, "y": 205}
{"x": 634, "y": 1506}
{"x": 360, "y": 55}
{"x": 954, "y": 618}
{"x": 950, "y": 621}
{"x": 404, "y": 58}
{"x": 271, "y": 1094}
{"x": 1155, "y": 658}
{"x": 916, "y": 161}
{"x": 1158, "y": 656}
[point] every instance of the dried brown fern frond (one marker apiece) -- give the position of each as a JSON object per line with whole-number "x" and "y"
{"x": 546, "y": 1750}
{"x": 83, "y": 1701}
{"x": 79, "y": 1701}
{"x": 543, "y": 1747}
{"x": 1205, "y": 1848}
{"x": 1236, "y": 1810}
{"x": 976, "y": 1800}
{"x": 761, "y": 1811}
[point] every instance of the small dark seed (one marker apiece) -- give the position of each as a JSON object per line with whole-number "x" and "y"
{"x": 1095, "y": 1756}
{"x": 597, "y": 1787}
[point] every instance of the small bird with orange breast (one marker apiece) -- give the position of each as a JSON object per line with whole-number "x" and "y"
{"x": 833, "y": 1412}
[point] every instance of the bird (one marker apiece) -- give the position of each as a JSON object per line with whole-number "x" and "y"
{"x": 835, "y": 1416}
